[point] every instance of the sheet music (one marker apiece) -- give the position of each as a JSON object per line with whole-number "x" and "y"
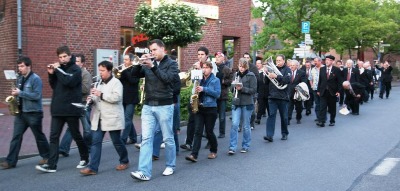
{"x": 10, "y": 74}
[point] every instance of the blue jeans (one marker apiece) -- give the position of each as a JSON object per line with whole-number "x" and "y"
{"x": 21, "y": 123}
{"x": 129, "y": 111}
{"x": 241, "y": 112}
{"x": 221, "y": 115}
{"x": 66, "y": 141}
{"x": 317, "y": 101}
{"x": 95, "y": 154}
{"x": 274, "y": 106}
{"x": 152, "y": 116}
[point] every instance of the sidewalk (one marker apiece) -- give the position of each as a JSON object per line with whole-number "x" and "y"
{"x": 28, "y": 147}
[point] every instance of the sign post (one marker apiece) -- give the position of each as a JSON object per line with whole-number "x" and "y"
{"x": 305, "y": 28}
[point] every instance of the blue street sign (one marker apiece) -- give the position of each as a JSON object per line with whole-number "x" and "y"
{"x": 305, "y": 27}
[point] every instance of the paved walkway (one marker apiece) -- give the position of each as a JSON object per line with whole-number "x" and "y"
{"x": 29, "y": 145}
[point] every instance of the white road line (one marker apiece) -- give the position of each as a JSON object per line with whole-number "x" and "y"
{"x": 385, "y": 167}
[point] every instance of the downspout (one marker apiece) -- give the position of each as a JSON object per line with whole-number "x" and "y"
{"x": 19, "y": 27}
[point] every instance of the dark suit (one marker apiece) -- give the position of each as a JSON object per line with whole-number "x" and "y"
{"x": 351, "y": 97}
{"x": 354, "y": 75}
{"x": 386, "y": 80}
{"x": 327, "y": 88}
{"x": 366, "y": 80}
{"x": 300, "y": 76}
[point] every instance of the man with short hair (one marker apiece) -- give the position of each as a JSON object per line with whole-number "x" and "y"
{"x": 65, "y": 79}
{"x": 66, "y": 141}
{"x": 157, "y": 109}
{"x": 297, "y": 77}
{"x": 262, "y": 92}
{"x": 278, "y": 99}
{"x": 314, "y": 80}
{"x": 307, "y": 70}
{"x": 329, "y": 87}
{"x": 29, "y": 94}
{"x": 130, "y": 98}
{"x": 225, "y": 78}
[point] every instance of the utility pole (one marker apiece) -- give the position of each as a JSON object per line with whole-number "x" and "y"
{"x": 254, "y": 33}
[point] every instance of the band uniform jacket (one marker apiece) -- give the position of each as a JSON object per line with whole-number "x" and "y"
{"x": 331, "y": 85}
{"x": 109, "y": 109}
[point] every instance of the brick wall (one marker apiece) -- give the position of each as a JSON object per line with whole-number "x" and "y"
{"x": 88, "y": 25}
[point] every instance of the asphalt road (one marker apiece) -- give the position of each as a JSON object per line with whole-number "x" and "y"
{"x": 330, "y": 158}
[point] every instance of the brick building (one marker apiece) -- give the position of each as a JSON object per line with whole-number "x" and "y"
{"x": 86, "y": 26}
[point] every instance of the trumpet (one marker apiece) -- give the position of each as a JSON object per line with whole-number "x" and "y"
{"x": 117, "y": 71}
{"x": 271, "y": 68}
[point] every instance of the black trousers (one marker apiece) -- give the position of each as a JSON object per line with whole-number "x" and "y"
{"x": 262, "y": 105}
{"x": 57, "y": 124}
{"x": 190, "y": 127}
{"x": 354, "y": 105}
{"x": 385, "y": 86}
{"x": 294, "y": 104}
{"x": 205, "y": 119}
{"x": 327, "y": 103}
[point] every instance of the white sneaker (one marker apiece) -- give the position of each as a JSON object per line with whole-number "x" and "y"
{"x": 139, "y": 175}
{"x": 168, "y": 171}
{"x": 45, "y": 168}
{"x": 82, "y": 164}
{"x": 162, "y": 145}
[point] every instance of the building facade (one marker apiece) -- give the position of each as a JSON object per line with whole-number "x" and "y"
{"x": 86, "y": 26}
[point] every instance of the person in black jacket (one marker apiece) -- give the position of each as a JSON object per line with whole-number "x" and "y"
{"x": 329, "y": 86}
{"x": 278, "y": 99}
{"x": 130, "y": 98}
{"x": 65, "y": 79}
{"x": 158, "y": 108}
{"x": 366, "y": 80}
{"x": 224, "y": 75}
{"x": 307, "y": 70}
{"x": 297, "y": 77}
{"x": 354, "y": 93}
{"x": 386, "y": 79}
{"x": 262, "y": 92}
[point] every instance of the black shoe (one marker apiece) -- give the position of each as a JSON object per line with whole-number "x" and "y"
{"x": 269, "y": 139}
{"x": 288, "y": 122}
{"x": 240, "y": 130}
{"x": 316, "y": 120}
{"x": 308, "y": 112}
{"x": 381, "y": 97}
{"x": 284, "y": 137}
{"x": 186, "y": 146}
{"x": 257, "y": 121}
{"x": 331, "y": 124}
{"x": 221, "y": 136}
{"x": 298, "y": 121}
{"x": 191, "y": 158}
{"x": 321, "y": 124}
{"x": 355, "y": 113}
{"x": 64, "y": 154}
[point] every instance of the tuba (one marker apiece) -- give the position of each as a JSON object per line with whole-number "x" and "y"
{"x": 271, "y": 68}
{"x": 12, "y": 102}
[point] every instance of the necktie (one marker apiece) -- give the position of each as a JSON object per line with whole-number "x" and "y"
{"x": 292, "y": 76}
{"x": 327, "y": 73}
{"x": 348, "y": 75}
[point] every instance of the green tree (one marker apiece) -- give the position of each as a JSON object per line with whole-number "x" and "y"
{"x": 174, "y": 24}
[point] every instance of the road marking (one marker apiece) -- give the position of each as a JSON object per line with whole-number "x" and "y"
{"x": 385, "y": 167}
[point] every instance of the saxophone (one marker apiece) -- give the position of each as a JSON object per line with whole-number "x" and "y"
{"x": 12, "y": 102}
{"x": 195, "y": 98}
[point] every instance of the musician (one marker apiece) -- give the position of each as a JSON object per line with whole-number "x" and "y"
{"x": 329, "y": 86}
{"x": 209, "y": 91}
{"x": 65, "y": 78}
{"x": 242, "y": 106}
{"x": 202, "y": 56}
{"x": 354, "y": 93}
{"x": 157, "y": 109}
{"x": 297, "y": 76}
{"x": 278, "y": 99}
{"x": 225, "y": 78}
{"x": 252, "y": 68}
{"x": 262, "y": 92}
{"x": 107, "y": 117}
{"x": 307, "y": 70}
{"x": 66, "y": 141}
{"x": 386, "y": 79}
{"x": 29, "y": 94}
{"x": 130, "y": 86}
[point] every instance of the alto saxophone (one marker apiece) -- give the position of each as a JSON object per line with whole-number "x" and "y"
{"x": 195, "y": 98}
{"x": 12, "y": 103}
{"x": 142, "y": 95}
